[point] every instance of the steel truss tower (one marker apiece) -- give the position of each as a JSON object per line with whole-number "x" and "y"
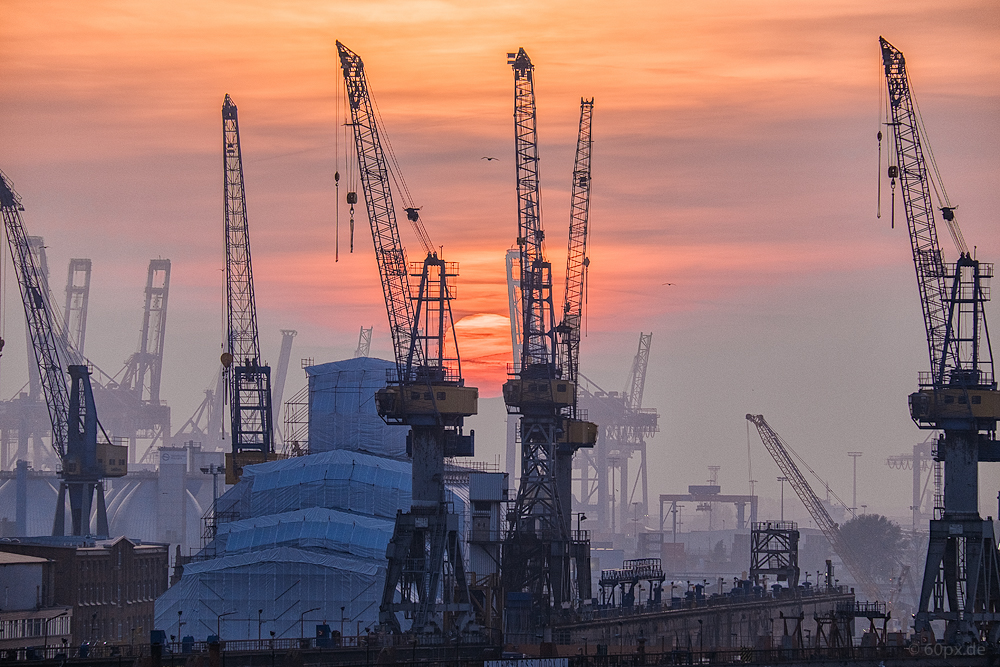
{"x": 249, "y": 381}
{"x": 541, "y": 553}
{"x": 425, "y": 578}
{"x": 961, "y": 583}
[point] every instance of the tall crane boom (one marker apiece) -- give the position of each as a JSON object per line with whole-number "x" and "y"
{"x": 375, "y": 176}
{"x": 38, "y": 312}
{"x": 779, "y": 452}
{"x": 946, "y": 349}
{"x": 576, "y": 255}
{"x": 538, "y": 340}
{"x": 249, "y": 381}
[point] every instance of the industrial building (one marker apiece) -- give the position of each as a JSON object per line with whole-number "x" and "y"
{"x": 107, "y": 587}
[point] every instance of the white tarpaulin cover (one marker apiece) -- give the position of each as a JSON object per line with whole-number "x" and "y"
{"x": 342, "y": 408}
{"x": 294, "y": 535}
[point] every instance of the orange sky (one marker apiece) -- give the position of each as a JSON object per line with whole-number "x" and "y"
{"x": 734, "y": 155}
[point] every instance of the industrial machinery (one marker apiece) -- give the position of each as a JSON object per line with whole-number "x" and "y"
{"x": 364, "y": 343}
{"x": 961, "y": 582}
{"x": 77, "y": 300}
{"x": 73, "y": 416}
{"x": 284, "y": 355}
{"x": 133, "y": 404}
{"x": 541, "y": 551}
{"x": 778, "y": 450}
{"x": 425, "y": 579}
{"x": 609, "y": 485}
{"x": 248, "y": 380}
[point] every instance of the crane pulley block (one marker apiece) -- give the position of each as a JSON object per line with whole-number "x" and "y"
{"x": 538, "y": 393}
{"x": 979, "y": 408}
{"x": 406, "y": 403}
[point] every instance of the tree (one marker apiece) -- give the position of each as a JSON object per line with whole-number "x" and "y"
{"x": 878, "y": 543}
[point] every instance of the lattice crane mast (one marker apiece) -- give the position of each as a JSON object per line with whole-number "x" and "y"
{"x": 576, "y": 255}
{"x": 779, "y": 452}
{"x": 961, "y": 583}
{"x": 248, "y": 381}
{"x": 85, "y": 461}
{"x": 425, "y": 578}
{"x": 540, "y": 550}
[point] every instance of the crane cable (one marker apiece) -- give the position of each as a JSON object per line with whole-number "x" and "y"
{"x": 937, "y": 183}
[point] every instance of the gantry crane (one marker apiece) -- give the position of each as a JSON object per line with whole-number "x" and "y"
{"x": 136, "y": 411}
{"x": 425, "y": 577}
{"x": 540, "y": 551}
{"x": 248, "y": 379}
{"x": 73, "y": 416}
{"x": 625, "y": 425}
{"x": 77, "y": 300}
{"x": 961, "y": 582}
{"x": 778, "y": 450}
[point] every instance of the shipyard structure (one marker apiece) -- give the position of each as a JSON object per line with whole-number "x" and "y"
{"x": 366, "y": 531}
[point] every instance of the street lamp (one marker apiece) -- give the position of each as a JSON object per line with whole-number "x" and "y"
{"x": 302, "y": 621}
{"x": 259, "y": 624}
{"x": 580, "y": 517}
{"x": 782, "y": 480}
{"x": 218, "y": 623}
{"x": 214, "y": 471}
{"x": 45, "y": 645}
{"x": 854, "y": 497}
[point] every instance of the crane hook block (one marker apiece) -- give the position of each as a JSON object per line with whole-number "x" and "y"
{"x": 226, "y": 359}
{"x": 352, "y": 198}
{"x": 893, "y": 171}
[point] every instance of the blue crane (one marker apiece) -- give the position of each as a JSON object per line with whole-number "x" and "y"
{"x": 85, "y": 461}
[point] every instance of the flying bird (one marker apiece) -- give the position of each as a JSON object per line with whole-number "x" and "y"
{"x": 669, "y": 284}
{"x": 489, "y": 159}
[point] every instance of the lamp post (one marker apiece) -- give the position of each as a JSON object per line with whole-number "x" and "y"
{"x": 214, "y": 471}
{"x": 218, "y": 623}
{"x": 782, "y": 480}
{"x": 854, "y": 496}
{"x": 259, "y": 624}
{"x": 180, "y": 612}
{"x": 302, "y": 622}
{"x": 45, "y": 645}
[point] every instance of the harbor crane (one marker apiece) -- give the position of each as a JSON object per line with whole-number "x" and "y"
{"x": 778, "y": 450}
{"x": 961, "y": 581}
{"x": 248, "y": 380}
{"x": 425, "y": 578}
{"x": 85, "y": 461}
{"x": 540, "y": 551}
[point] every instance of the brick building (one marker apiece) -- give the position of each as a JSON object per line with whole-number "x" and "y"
{"x": 110, "y": 585}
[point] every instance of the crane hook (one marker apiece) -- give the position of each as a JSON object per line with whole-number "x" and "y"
{"x": 352, "y": 199}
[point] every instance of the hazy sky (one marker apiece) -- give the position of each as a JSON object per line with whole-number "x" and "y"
{"x": 734, "y": 155}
